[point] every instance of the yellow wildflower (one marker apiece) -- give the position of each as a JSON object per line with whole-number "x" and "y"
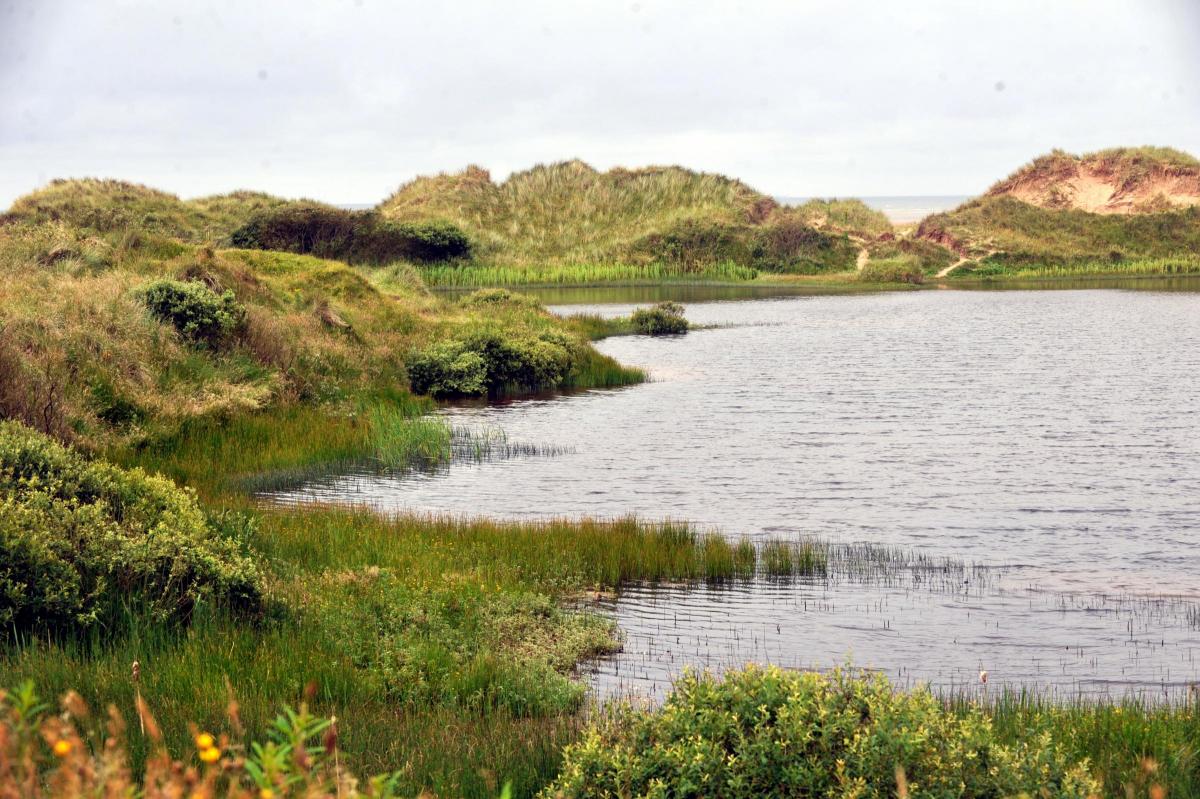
{"x": 210, "y": 755}
{"x": 205, "y": 741}
{"x": 62, "y": 748}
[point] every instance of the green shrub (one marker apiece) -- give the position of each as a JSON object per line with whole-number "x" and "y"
{"x": 931, "y": 257}
{"x": 790, "y": 246}
{"x": 487, "y": 360}
{"x": 362, "y": 237}
{"x": 447, "y": 369}
{"x": 82, "y": 543}
{"x": 769, "y": 732}
{"x": 785, "y": 245}
{"x": 664, "y": 319}
{"x": 196, "y": 311}
{"x": 300, "y": 227}
{"x": 492, "y": 297}
{"x": 429, "y": 241}
{"x": 522, "y": 362}
{"x": 901, "y": 269}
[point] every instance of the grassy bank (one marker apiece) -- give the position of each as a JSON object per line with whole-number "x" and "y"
{"x": 444, "y": 646}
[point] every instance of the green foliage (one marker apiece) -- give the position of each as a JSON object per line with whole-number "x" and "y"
{"x": 663, "y": 319}
{"x": 785, "y": 244}
{"x": 199, "y": 314}
{"x": 488, "y": 359}
{"x": 448, "y": 369}
{"x": 765, "y": 731}
{"x": 931, "y": 257}
{"x": 310, "y": 228}
{"x": 485, "y": 298}
{"x": 83, "y": 543}
{"x": 541, "y": 274}
{"x": 467, "y": 645}
{"x": 900, "y": 269}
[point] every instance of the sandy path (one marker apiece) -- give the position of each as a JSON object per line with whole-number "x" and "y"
{"x": 965, "y": 260}
{"x": 863, "y": 257}
{"x": 952, "y": 267}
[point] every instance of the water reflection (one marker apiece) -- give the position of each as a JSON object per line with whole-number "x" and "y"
{"x": 1050, "y": 435}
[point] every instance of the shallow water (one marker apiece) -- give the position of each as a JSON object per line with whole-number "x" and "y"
{"x": 1051, "y": 436}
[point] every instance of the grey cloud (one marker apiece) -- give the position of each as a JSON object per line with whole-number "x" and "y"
{"x": 344, "y": 101}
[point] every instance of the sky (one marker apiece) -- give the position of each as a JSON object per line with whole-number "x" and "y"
{"x": 345, "y": 100}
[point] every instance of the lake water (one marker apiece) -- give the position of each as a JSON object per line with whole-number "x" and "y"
{"x": 1050, "y": 437}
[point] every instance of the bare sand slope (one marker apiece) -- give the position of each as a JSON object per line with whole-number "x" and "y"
{"x": 1120, "y": 181}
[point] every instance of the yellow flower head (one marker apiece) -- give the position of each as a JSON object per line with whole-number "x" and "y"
{"x": 210, "y": 755}
{"x": 62, "y": 748}
{"x": 266, "y": 793}
{"x": 205, "y": 741}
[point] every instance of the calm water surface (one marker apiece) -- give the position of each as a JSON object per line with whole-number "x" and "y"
{"x": 1051, "y": 437}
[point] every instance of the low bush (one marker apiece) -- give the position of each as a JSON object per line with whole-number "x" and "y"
{"x": 486, "y": 360}
{"x": 786, "y": 245}
{"x": 769, "y": 732}
{"x": 901, "y": 269}
{"x": 199, "y": 314}
{"x": 362, "y": 237}
{"x": 664, "y": 319}
{"x": 447, "y": 369}
{"x": 84, "y": 543}
{"x": 492, "y": 297}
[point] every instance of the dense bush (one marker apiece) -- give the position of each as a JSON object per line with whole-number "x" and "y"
{"x": 768, "y": 732}
{"x": 196, "y": 311}
{"x": 487, "y": 360}
{"x": 82, "y": 543}
{"x": 496, "y": 296}
{"x": 352, "y": 236}
{"x": 664, "y": 319}
{"x": 447, "y": 369}
{"x": 901, "y": 269}
{"x": 784, "y": 245}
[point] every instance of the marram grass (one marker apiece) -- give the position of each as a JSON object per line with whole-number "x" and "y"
{"x": 470, "y": 276}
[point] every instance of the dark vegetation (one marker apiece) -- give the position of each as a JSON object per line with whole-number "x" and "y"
{"x": 785, "y": 246}
{"x": 663, "y": 319}
{"x": 356, "y": 237}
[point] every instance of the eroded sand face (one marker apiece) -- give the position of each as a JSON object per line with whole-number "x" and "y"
{"x": 1100, "y": 190}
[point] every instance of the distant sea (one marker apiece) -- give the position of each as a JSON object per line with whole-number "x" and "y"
{"x": 902, "y": 209}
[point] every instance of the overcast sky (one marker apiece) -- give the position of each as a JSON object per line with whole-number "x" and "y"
{"x": 343, "y": 101}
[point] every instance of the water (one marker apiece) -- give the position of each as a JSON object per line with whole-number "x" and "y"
{"x": 1050, "y": 437}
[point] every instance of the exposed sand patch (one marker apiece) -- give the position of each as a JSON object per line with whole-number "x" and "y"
{"x": 1104, "y": 188}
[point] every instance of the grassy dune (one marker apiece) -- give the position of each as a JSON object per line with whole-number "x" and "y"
{"x": 1126, "y": 211}
{"x": 568, "y": 222}
{"x": 83, "y": 358}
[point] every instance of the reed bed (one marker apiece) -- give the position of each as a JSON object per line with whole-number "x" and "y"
{"x": 481, "y": 275}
